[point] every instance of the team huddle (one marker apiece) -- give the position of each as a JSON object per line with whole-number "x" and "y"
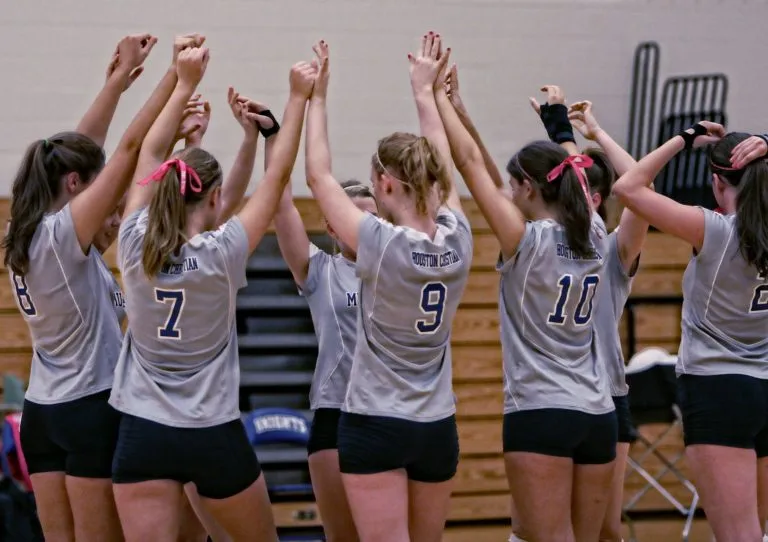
{"x": 138, "y": 436}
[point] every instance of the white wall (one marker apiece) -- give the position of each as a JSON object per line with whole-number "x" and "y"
{"x": 54, "y": 54}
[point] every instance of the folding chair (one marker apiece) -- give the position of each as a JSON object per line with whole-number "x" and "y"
{"x": 279, "y": 437}
{"x": 653, "y": 400}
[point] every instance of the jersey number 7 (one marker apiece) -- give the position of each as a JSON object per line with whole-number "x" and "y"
{"x": 176, "y": 298}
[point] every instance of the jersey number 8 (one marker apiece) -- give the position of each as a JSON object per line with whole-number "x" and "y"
{"x": 580, "y": 316}
{"x": 432, "y": 303}
{"x": 22, "y": 295}
{"x": 176, "y": 297}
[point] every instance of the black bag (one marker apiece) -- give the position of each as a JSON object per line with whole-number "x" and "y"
{"x": 18, "y": 514}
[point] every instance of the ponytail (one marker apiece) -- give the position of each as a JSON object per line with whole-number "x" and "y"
{"x": 415, "y": 162}
{"x": 752, "y": 215}
{"x": 575, "y": 213}
{"x": 38, "y": 185}
{"x": 751, "y": 199}
{"x": 565, "y": 193}
{"x": 167, "y": 213}
{"x": 166, "y": 225}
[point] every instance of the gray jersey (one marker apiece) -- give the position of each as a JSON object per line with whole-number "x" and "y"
{"x": 179, "y": 364}
{"x": 546, "y": 303}
{"x": 613, "y": 291}
{"x": 725, "y": 307}
{"x": 75, "y": 335}
{"x": 332, "y": 290}
{"x": 410, "y": 289}
{"x": 113, "y": 290}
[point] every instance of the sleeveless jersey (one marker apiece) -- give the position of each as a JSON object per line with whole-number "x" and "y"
{"x": 725, "y": 307}
{"x": 613, "y": 294}
{"x": 179, "y": 365}
{"x": 63, "y": 298}
{"x": 547, "y": 301}
{"x": 410, "y": 289}
{"x": 332, "y": 290}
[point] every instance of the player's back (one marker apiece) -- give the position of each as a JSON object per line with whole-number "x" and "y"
{"x": 411, "y": 287}
{"x": 547, "y": 301}
{"x": 64, "y": 298}
{"x": 179, "y": 363}
{"x": 725, "y": 308}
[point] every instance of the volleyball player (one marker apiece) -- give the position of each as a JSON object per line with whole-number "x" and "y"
{"x": 560, "y": 422}
{"x": 183, "y": 260}
{"x": 331, "y": 287}
{"x": 61, "y": 197}
{"x": 723, "y": 359}
{"x": 621, "y": 261}
{"x": 398, "y": 443}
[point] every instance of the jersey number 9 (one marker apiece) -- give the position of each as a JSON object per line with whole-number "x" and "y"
{"x": 432, "y": 304}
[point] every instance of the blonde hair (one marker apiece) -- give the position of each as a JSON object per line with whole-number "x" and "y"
{"x": 168, "y": 208}
{"x": 416, "y": 163}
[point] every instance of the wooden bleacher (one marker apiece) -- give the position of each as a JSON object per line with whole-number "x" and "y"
{"x": 481, "y": 488}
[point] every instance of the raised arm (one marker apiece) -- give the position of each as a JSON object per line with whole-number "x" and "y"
{"x": 124, "y": 68}
{"x": 339, "y": 210}
{"x": 632, "y": 229}
{"x": 92, "y": 206}
{"x": 633, "y": 190}
{"x": 505, "y": 219}
{"x": 292, "y": 237}
{"x": 427, "y": 76}
{"x": 261, "y": 206}
{"x": 233, "y": 189}
{"x": 452, "y": 90}
{"x": 554, "y": 115}
{"x": 191, "y": 63}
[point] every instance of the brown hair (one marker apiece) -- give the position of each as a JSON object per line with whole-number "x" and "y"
{"x": 417, "y": 163}
{"x": 534, "y": 162}
{"x": 355, "y": 189}
{"x": 168, "y": 208}
{"x": 751, "y": 199}
{"x": 601, "y": 176}
{"x": 38, "y": 185}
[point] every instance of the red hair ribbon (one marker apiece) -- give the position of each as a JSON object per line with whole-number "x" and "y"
{"x": 577, "y": 162}
{"x": 186, "y": 174}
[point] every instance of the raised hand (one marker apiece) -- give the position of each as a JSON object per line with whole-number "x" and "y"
{"x": 322, "y": 61}
{"x": 129, "y": 55}
{"x": 715, "y": 132}
{"x": 302, "y": 78}
{"x": 195, "y": 120}
{"x": 555, "y": 95}
{"x": 748, "y": 150}
{"x": 186, "y": 41}
{"x": 451, "y": 84}
{"x": 428, "y": 64}
{"x": 246, "y": 113}
{"x": 581, "y": 117}
{"x": 191, "y": 64}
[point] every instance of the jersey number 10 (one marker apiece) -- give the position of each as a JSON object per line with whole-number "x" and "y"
{"x": 583, "y": 312}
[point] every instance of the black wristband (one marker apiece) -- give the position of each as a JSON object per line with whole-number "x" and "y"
{"x": 555, "y": 119}
{"x": 267, "y": 132}
{"x": 689, "y": 138}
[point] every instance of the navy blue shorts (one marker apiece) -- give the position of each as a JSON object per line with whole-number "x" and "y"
{"x": 77, "y": 437}
{"x": 324, "y": 432}
{"x": 428, "y": 451}
{"x": 725, "y": 410}
{"x": 219, "y": 459}
{"x": 588, "y": 439}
